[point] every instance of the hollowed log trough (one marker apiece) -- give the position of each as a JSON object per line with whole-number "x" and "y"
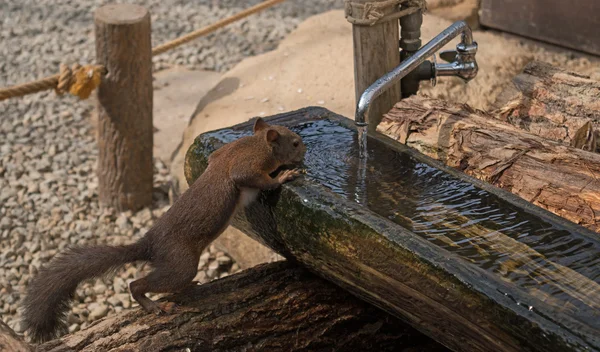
{"x": 522, "y": 279}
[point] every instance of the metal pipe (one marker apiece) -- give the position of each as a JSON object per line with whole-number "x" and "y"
{"x": 412, "y": 62}
{"x": 410, "y": 43}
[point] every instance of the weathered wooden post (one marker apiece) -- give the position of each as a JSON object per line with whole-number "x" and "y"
{"x": 376, "y": 51}
{"x": 125, "y": 136}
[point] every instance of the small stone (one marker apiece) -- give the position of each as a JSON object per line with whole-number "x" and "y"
{"x": 5, "y": 223}
{"x": 223, "y": 275}
{"x": 99, "y": 312}
{"x": 7, "y": 193}
{"x": 33, "y": 187}
{"x": 114, "y": 301}
{"x": 211, "y": 273}
{"x": 73, "y": 328}
{"x": 100, "y": 289}
{"x": 214, "y": 265}
{"x": 205, "y": 256}
{"x": 200, "y": 277}
{"x": 122, "y": 221}
{"x": 125, "y": 299}
{"x": 19, "y": 327}
{"x": 223, "y": 260}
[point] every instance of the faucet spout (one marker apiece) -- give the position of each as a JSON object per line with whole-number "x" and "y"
{"x": 465, "y": 56}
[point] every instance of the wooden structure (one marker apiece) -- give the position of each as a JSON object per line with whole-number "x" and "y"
{"x": 572, "y": 24}
{"x": 125, "y": 133}
{"x": 376, "y": 53}
{"x": 556, "y": 177}
{"x": 376, "y": 256}
{"x": 273, "y": 307}
{"x": 554, "y": 104}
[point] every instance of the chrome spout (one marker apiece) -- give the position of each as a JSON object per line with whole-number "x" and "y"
{"x": 465, "y": 66}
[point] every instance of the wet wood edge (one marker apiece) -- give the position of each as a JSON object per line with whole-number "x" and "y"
{"x": 514, "y": 327}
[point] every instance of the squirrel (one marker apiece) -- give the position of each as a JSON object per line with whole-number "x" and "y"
{"x": 235, "y": 174}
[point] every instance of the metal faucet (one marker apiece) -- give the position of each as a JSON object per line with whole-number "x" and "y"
{"x": 462, "y": 65}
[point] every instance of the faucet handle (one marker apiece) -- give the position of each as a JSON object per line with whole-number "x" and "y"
{"x": 448, "y": 55}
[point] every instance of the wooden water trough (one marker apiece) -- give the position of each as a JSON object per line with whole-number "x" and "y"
{"x": 470, "y": 265}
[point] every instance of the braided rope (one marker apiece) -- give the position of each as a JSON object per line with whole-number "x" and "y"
{"x": 82, "y": 80}
{"x": 213, "y": 27}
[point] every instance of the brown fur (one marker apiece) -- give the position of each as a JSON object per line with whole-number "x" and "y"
{"x": 173, "y": 245}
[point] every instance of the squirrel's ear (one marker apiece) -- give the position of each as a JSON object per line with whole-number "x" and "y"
{"x": 272, "y": 136}
{"x": 260, "y": 124}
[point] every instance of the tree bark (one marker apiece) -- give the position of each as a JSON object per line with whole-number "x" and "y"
{"x": 272, "y": 307}
{"x": 559, "y": 178}
{"x": 554, "y": 104}
{"x": 125, "y": 132}
{"x": 10, "y": 341}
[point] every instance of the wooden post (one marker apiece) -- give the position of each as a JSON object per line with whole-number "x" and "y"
{"x": 376, "y": 52}
{"x": 125, "y": 136}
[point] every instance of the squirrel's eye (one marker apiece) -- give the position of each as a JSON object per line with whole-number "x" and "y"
{"x": 296, "y": 144}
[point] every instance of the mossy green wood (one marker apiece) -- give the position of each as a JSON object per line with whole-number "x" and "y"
{"x": 459, "y": 305}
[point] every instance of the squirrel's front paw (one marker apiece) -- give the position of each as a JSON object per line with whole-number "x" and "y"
{"x": 288, "y": 175}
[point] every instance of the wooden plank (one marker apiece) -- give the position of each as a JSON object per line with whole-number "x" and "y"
{"x": 573, "y": 24}
{"x": 396, "y": 237}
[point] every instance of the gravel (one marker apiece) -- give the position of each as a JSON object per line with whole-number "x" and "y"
{"x": 48, "y": 183}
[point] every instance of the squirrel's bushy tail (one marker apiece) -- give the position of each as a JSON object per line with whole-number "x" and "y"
{"x": 49, "y": 294}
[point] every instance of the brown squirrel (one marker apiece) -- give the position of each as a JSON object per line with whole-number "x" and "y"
{"x": 235, "y": 174}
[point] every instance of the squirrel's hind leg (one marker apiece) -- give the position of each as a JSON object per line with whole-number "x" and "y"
{"x": 167, "y": 277}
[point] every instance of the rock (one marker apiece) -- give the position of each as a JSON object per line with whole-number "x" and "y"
{"x": 73, "y": 328}
{"x": 223, "y": 260}
{"x": 6, "y": 194}
{"x": 100, "y": 289}
{"x": 211, "y": 273}
{"x": 214, "y": 265}
{"x": 200, "y": 277}
{"x": 119, "y": 284}
{"x": 205, "y": 256}
{"x": 122, "y": 221}
{"x": 114, "y": 301}
{"x": 99, "y": 312}
{"x": 125, "y": 300}
{"x": 19, "y": 326}
{"x": 5, "y": 223}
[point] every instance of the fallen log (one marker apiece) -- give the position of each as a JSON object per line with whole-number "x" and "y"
{"x": 554, "y": 104}
{"x": 11, "y": 342}
{"x": 559, "y": 178}
{"x": 469, "y": 264}
{"x": 271, "y": 307}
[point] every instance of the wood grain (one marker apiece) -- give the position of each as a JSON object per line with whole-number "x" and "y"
{"x": 125, "y": 134}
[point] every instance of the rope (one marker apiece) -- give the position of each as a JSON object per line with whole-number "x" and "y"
{"x": 213, "y": 27}
{"x": 81, "y": 81}
{"x": 372, "y": 13}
